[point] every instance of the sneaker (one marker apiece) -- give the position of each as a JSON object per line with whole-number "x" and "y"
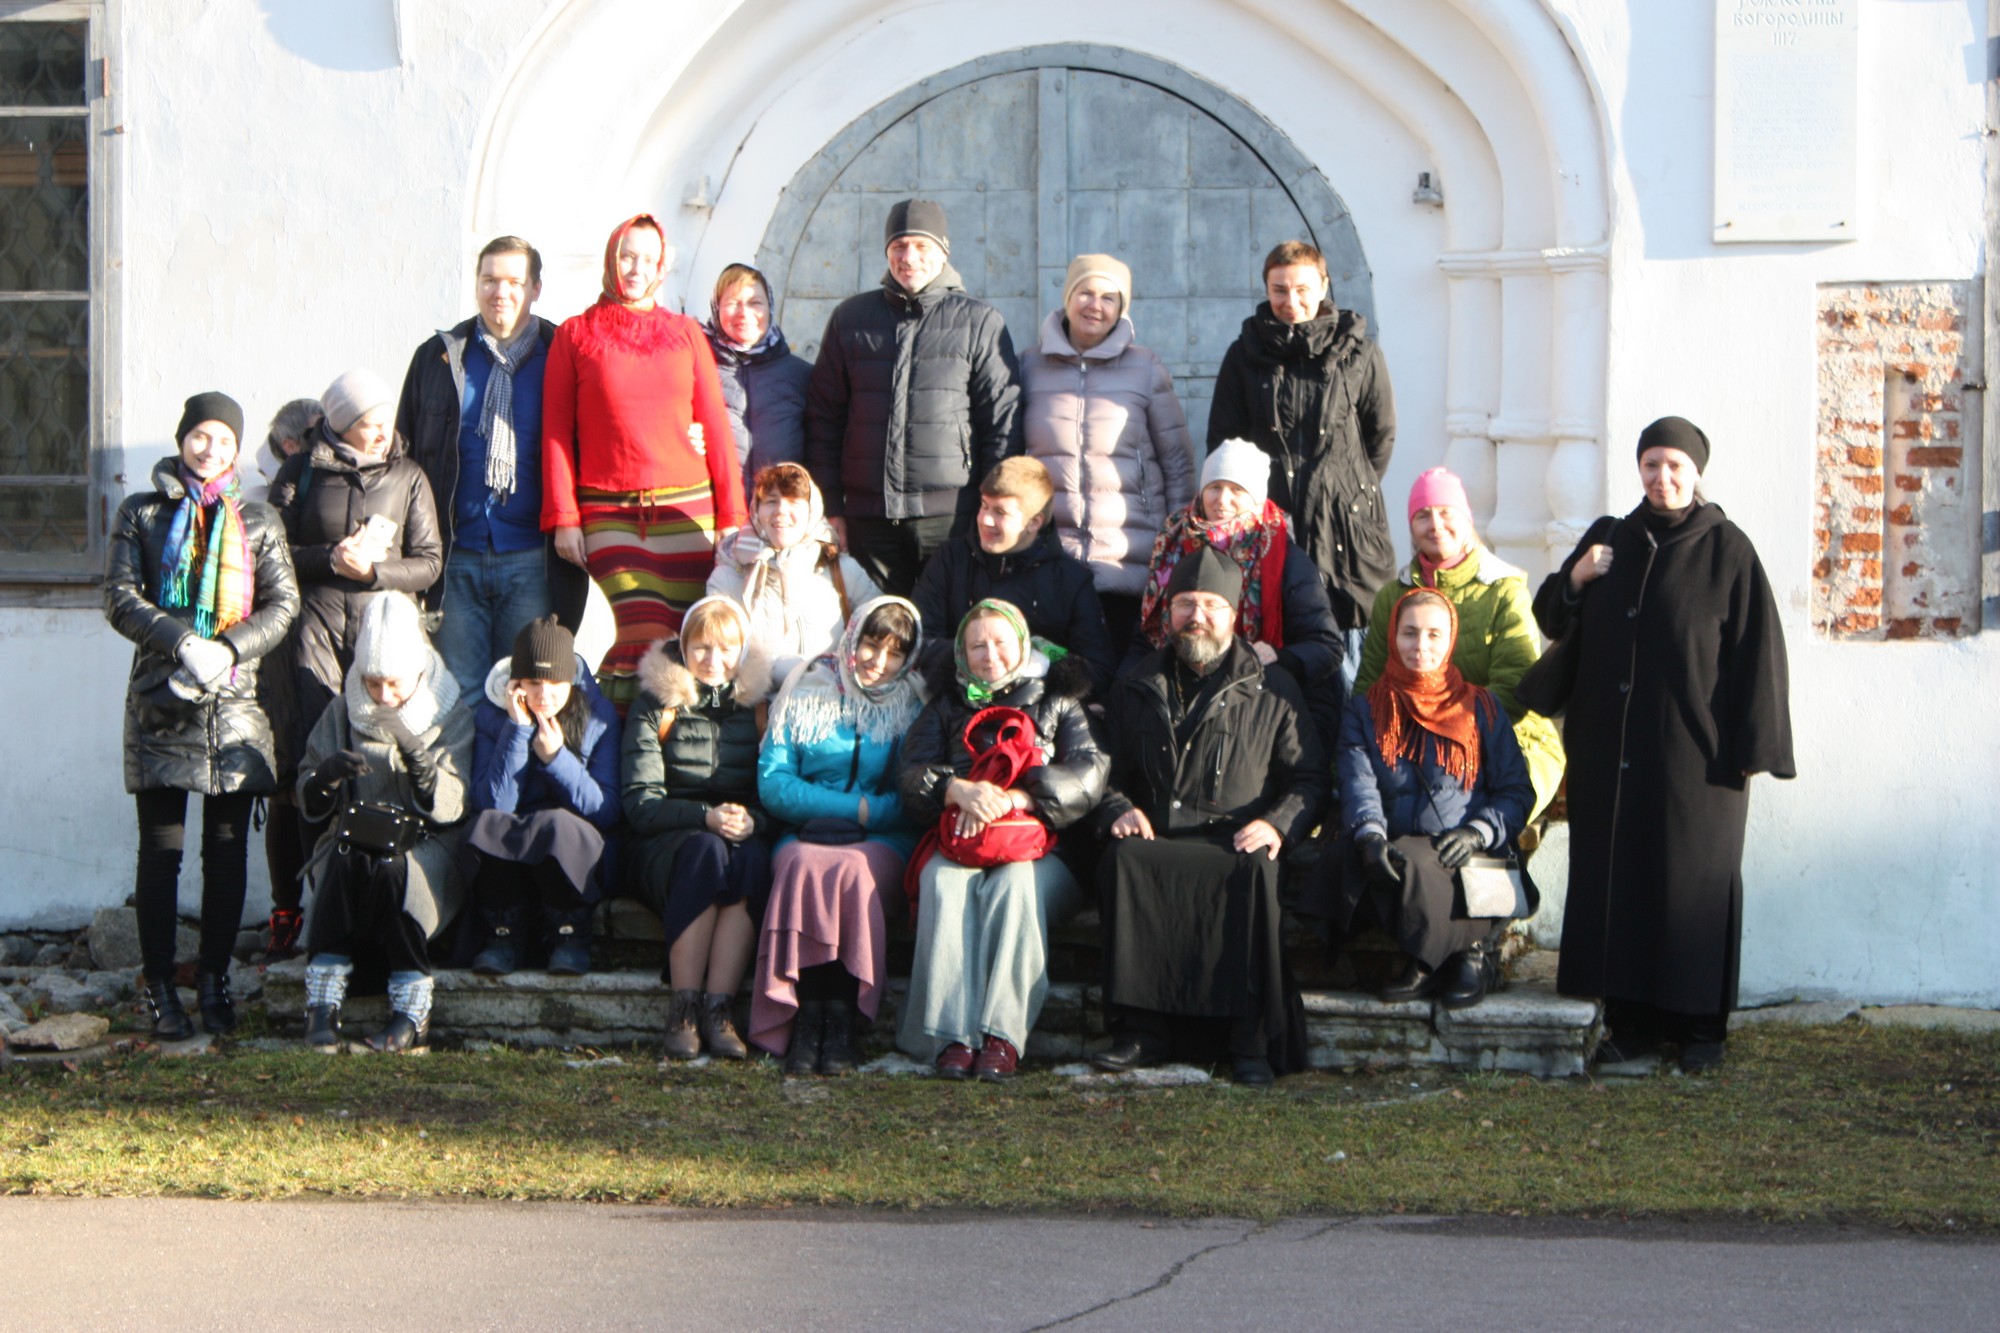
{"x": 287, "y": 923}
{"x": 955, "y": 1061}
{"x": 997, "y": 1059}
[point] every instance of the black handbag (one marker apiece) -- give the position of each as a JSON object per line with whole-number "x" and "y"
{"x": 830, "y": 831}
{"x": 378, "y": 829}
{"x": 1546, "y": 686}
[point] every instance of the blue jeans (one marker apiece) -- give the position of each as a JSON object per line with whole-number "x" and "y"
{"x": 488, "y": 597}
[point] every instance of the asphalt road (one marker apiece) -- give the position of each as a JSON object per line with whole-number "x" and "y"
{"x": 189, "y": 1264}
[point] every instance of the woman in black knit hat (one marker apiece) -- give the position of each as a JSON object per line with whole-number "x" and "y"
{"x": 545, "y": 784}
{"x": 1680, "y": 695}
{"x": 200, "y": 579}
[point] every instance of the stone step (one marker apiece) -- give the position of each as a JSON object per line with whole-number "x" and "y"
{"x": 1526, "y": 1029}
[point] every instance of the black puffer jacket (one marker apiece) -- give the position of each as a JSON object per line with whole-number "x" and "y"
{"x": 1065, "y": 788}
{"x": 1252, "y": 755}
{"x": 322, "y": 499}
{"x": 765, "y": 392}
{"x": 913, "y": 398}
{"x": 1055, "y": 591}
{"x": 223, "y": 744}
{"x": 1315, "y": 396}
{"x": 708, "y": 757}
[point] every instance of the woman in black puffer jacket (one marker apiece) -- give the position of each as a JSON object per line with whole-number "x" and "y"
{"x": 702, "y": 857}
{"x": 980, "y": 972}
{"x": 361, "y": 520}
{"x": 201, "y": 581}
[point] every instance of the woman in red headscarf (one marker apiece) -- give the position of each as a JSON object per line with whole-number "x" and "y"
{"x": 1430, "y": 776}
{"x": 639, "y": 468}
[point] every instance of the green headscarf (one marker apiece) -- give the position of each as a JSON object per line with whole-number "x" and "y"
{"x": 1036, "y": 654}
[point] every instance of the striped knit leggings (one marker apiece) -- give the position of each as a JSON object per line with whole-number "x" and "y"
{"x": 651, "y": 553}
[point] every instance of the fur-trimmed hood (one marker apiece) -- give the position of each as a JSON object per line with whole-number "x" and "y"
{"x": 665, "y": 677}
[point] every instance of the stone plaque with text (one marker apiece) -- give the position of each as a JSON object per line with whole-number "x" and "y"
{"x": 1785, "y": 85}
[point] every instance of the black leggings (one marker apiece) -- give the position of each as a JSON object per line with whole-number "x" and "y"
{"x": 358, "y": 907}
{"x": 284, "y": 853}
{"x": 225, "y": 820}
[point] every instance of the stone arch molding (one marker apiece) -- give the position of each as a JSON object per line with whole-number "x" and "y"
{"x": 705, "y": 111}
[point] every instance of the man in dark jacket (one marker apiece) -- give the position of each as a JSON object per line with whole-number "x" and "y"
{"x": 1214, "y": 769}
{"x": 1012, "y": 554}
{"x": 1306, "y": 384}
{"x": 915, "y": 395}
{"x": 471, "y": 412}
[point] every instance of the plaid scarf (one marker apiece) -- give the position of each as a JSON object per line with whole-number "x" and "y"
{"x": 206, "y": 562}
{"x": 496, "y": 416}
{"x": 1256, "y": 542}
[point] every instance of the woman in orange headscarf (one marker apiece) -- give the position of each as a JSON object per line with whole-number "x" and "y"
{"x": 639, "y": 471}
{"x": 1430, "y": 776}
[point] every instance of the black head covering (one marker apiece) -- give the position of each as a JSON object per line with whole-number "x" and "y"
{"x": 211, "y": 406}
{"x": 1206, "y": 569}
{"x": 543, "y": 650}
{"x": 916, "y": 217}
{"x": 1676, "y": 433}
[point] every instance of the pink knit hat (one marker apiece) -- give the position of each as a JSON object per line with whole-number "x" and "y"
{"x": 1439, "y": 486}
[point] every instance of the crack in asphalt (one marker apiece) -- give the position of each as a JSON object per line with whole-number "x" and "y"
{"x": 1159, "y": 1283}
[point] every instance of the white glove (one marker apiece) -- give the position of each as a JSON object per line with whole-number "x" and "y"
{"x": 207, "y": 660}
{"x": 698, "y": 438}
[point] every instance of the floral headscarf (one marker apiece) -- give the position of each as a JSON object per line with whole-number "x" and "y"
{"x": 825, "y": 695}
{"x": 1256, "y": 542}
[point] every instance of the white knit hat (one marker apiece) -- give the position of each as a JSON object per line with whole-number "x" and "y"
{"x": 1243, "y": 463}
{"x": 391, "y": 640}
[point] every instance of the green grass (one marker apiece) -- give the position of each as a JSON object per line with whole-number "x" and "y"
{"x": 1845, "y": 1123}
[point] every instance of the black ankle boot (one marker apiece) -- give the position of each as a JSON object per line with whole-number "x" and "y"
{"x": 163, "y": 1002}
{"x": 569, "y": 943}
{"x": 218, "y": 1011}
{"x": 323, "y": 1028}
{"x": 836, "y": 1047}
{"x": 502, "y": 953}
{"x": 802, "y": 1056}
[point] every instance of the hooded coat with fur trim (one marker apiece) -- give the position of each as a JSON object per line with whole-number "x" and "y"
{"x": 1065, "y": 788}
{"x": 707, "y": 757}
{"x": 506, "y": 775}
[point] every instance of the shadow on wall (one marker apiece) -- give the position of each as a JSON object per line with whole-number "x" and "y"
{"x": 355, "y": 35}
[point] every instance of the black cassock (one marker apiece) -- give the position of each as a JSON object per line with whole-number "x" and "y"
{"x": 1681, "y": 690}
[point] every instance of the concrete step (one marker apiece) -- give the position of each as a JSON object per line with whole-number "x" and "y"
{"x": 1526, "y": 1029}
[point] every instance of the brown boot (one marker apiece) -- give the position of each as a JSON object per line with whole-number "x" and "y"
{"x": 683, "y": 1042}
{"x": 718, "y": 1028}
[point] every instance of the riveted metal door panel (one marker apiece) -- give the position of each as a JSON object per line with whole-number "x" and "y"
{"x": 1036, "y": 165}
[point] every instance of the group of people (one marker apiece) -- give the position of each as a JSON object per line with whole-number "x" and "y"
{"x": 922, "y": 630}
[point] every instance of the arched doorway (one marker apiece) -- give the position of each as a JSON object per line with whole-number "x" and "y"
{"x": 1048, "y": 152}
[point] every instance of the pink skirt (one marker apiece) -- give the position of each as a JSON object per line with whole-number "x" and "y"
{"x": 826, "y": 906}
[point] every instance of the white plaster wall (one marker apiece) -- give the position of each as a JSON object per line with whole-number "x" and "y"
{"x": 323, "y": 216}
{"x": 1872, "y": 874}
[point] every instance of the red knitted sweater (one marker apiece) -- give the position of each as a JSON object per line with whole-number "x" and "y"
{"x": 621, "y": 389}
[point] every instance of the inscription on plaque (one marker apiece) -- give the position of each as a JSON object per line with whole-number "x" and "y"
{"x": 1785, "y": 120}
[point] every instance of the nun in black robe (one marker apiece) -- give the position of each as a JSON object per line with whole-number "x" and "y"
{"x": 1681, "y": 694}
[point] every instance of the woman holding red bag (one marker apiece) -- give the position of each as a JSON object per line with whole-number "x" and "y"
{"x": 980, "y": 972}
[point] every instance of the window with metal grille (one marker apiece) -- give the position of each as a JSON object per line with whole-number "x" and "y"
{"x": 51, "y": 520}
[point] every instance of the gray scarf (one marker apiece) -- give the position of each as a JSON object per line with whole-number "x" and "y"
{"x": 496, "y": 419}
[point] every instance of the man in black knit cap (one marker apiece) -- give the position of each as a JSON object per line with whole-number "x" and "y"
{"x": 1215, "y": 769}
{"x": 915, "y": 395}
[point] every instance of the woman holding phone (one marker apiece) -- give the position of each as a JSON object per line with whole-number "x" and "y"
{"x": 360, "y": 519}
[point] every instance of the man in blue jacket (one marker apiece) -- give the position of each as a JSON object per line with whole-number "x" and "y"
{"x": 471, "y": 411}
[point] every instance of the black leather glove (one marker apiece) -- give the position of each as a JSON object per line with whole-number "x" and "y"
{"x": 423, "y": 766}
{"x": 1381, "y": 861}
{"x": 337, "y": 768}
{"x": 1458, "y": 845}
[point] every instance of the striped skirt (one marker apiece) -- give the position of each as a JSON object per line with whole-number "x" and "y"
{"x": 651, "y": 553}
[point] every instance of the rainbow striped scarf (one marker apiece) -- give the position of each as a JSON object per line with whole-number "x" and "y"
{"x": 206, "y": 563}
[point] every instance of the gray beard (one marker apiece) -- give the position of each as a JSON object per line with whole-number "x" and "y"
{"x": 1199, "y": 651}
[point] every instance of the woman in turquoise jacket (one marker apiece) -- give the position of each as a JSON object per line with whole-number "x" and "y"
{"x": 828, "y": 769}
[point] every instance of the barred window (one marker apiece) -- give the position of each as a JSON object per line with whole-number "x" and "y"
{"x": 51, "y": 523}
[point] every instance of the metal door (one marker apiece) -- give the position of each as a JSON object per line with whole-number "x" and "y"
{"x": 1038, "y": 156}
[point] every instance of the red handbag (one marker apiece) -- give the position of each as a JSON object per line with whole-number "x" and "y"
{"x": 1019, "y": 836}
